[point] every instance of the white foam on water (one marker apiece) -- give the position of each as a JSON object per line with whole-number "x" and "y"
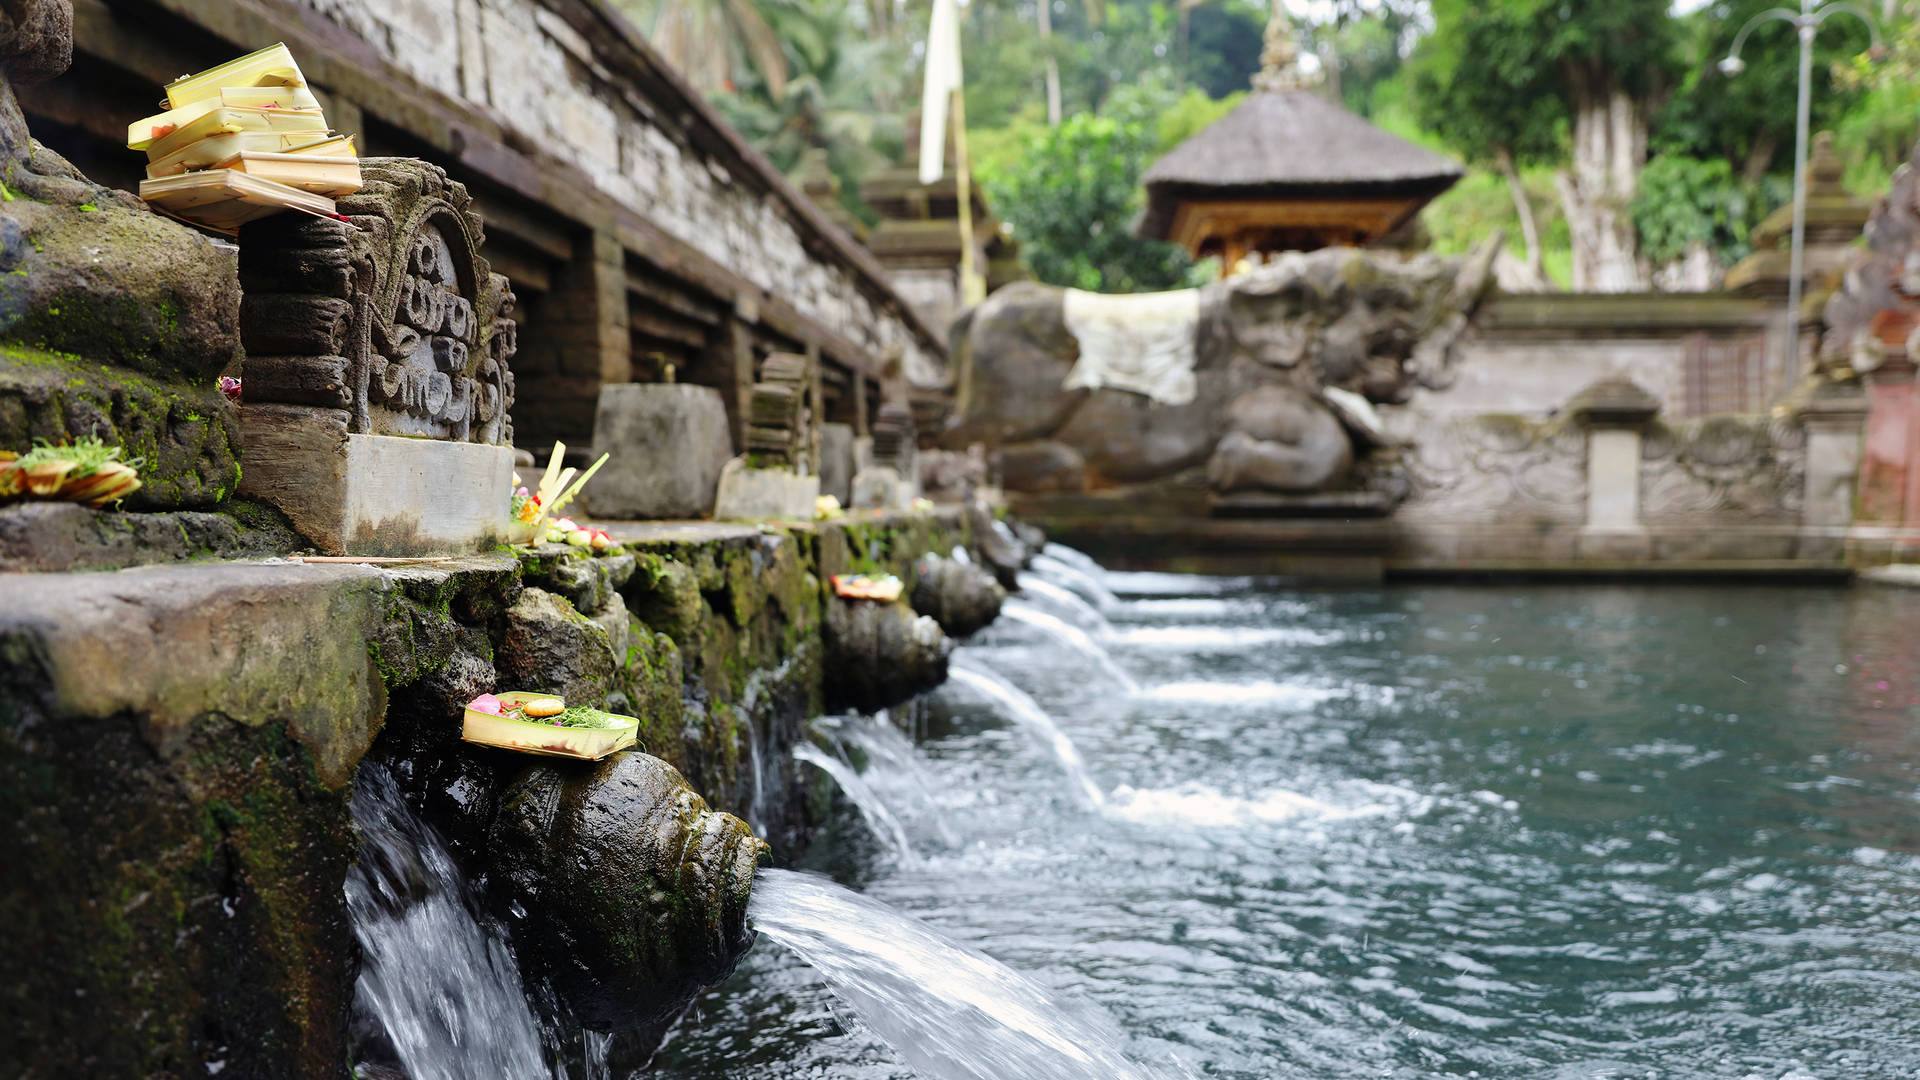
{"x": 1220, "y": 637}
{"x": 1153, "y": 583}
{"x": 1262, "y": 692}
{"x": 1201, "y": 806}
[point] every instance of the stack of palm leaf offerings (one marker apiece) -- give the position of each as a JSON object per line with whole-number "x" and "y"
{"x": 241, "y": 141}
{"x": 778, "y": 417}
{"x": 88, "y": 471}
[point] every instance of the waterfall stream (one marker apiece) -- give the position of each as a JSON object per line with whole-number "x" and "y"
{"x": 951, "y": 1013}
{"x": 1020, "y": 708}
{"x": 880, "y": 818}
{"x": 1079, "y": 580}
{"x": 1065, "y": 600}
{"x": 1071, "y": 636}
{"x": 441, "y": 984}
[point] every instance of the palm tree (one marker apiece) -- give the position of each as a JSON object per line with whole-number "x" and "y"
{"x": 716, "y": 44}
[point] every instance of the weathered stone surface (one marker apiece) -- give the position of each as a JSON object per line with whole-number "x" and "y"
{"x": 1043, "y": 467}
{"x": 375, "y": 494}
{"x": 548, "y": 646}
{"x": 880, "y": 488}
{"x": 1013, "y": 352}
{"x": 836, "y": 462}
{"x": 416, "y": 323}
{"x": 669, "y": 443}
{"x": 749, "y": 494}
{"x": 635, "y": 892}
{"x": 1281, "y": 440}
{"x": 960, "y": 596}
{"x": 173, "y": 644}
{"x": 879, "y": 655}
{"x": 174, "y": 745}
{"x": 1001, "y": 550}
{"x": 952, "y": 476}
{"x": 164, "y": 304}
{"x": 50, "y": 536}
{"x": 186, "y": 440}
{"x": 587, "y": 580}
{"x": 1372, "y": 324}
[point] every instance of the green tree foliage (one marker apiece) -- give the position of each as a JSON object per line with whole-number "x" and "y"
{"x": 1748, "y": 120}
{"x": 1072, "y": 195}
{"x": 1222, "y": 47}
{"x": 1685, "y": 201}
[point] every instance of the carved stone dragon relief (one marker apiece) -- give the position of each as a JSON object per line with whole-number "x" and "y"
{"x": 1746, "y": 468}
{"x": 391, "y": 316}
{"x": 1497, "y": 467}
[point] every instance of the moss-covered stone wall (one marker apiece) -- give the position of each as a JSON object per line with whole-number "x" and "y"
{"x": 177, "y": 744}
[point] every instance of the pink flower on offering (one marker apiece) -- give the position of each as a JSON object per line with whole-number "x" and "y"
{"x": 485, "y": 703}
{"x": 230, "y": 386}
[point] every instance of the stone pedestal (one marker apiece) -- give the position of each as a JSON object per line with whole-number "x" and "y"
{"x": 376, "y": 383}
{"x": 669, "y": 443}
{"x": 749, "y": 494}
{"x": 375, "y": 494}
{"x": 837, "y": 462}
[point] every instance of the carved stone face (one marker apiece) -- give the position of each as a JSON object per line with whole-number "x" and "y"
{"x": 36, "y": 39}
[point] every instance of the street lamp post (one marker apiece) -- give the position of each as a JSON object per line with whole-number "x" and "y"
{"x": 1806, "y": 22}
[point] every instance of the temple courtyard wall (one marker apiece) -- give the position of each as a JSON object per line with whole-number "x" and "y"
{"x": 645, "y": 240}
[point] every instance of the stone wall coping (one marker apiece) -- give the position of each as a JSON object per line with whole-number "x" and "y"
{"x": 1625, "y": 314}
{"x": 339, "y": 61}
{"x": 614, "y": 37}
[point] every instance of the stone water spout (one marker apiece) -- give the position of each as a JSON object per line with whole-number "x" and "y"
{"x": 634, "y": 892}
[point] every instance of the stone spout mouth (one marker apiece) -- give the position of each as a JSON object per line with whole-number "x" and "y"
{"x": 634, "y": 891}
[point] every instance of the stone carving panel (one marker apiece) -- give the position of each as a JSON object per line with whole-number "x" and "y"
{"x": 391, "y": 316}
{"x": 1748, "y": 468}
{"x": 1498, "y": 467}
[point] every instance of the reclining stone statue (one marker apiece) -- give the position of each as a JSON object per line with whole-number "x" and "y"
{"x": 1285, "y": 362}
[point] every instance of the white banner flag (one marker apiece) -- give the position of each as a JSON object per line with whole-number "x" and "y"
{"x": 943, "y": 78}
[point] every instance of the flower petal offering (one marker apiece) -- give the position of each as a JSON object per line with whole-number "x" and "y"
{"x": 535, "y": 723}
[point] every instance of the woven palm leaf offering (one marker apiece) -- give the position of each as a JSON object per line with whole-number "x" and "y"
{"x": 535, "y": 723}
{"x": 85, "y": 471}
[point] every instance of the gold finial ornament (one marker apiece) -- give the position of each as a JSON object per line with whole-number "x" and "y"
{"x": 1280, "y": 56}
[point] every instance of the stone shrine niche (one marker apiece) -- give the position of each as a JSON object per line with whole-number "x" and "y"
{"x": 392, "y": 316}
{"x": 377, "y": 382}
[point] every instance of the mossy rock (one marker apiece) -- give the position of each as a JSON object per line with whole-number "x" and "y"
{"x": 119, "y": 285}
{"x": 186, "y": 439}
{"x": 635, "y": 892}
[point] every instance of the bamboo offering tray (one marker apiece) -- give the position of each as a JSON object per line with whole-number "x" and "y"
{"x": 552, "y": 740}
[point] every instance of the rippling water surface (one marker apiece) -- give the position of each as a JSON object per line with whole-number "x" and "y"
{"x": 1563, "y": 832}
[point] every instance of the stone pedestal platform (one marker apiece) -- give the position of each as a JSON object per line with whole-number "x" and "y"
{"x": 376, "y": 494}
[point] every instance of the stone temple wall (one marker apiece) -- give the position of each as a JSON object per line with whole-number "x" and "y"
{"x": 640, "y": 233}
{"x": 523, "y": 61}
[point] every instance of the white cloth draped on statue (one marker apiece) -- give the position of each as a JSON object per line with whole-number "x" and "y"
{"x": 1143, "y": 343}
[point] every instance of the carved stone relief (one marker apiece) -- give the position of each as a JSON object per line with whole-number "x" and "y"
{"x": 1498, "y": 467}
{"x": 391, "y": 316}
{"x": 1748, "y": 468}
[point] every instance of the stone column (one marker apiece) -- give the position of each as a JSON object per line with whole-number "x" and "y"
{"x": 578, "y": 341}
{"x": 1615, "y": 413}
{"x": 1886, "y": 455}
{"x": 1835, "y": 421}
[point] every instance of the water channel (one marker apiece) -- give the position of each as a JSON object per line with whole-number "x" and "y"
{"x": 1574, "y": 832}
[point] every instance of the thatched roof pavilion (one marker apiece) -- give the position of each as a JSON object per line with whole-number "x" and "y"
{"x": 1288, "y": 171}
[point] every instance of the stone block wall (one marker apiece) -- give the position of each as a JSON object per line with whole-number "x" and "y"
{"x": 529, "y": 62}
{"x": 638, "y": 231}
